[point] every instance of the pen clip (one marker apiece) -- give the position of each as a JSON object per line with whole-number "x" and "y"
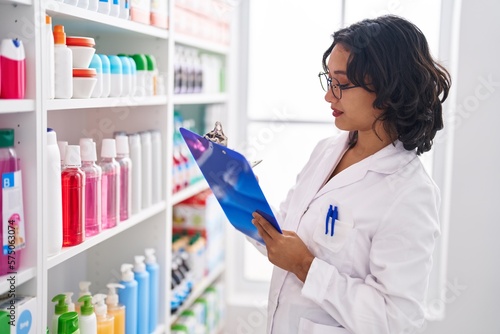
{"x": 328, "y": 216}
{"x": 335, "y": 215}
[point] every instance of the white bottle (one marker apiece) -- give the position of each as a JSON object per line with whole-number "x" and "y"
{"x": 147, "y": 169}
{"x": 126, "y": 76}
{"x": 87, "y": 319}
{"x": 96, "y": 64}
{"x": 54, "y": 192}
{"x": 156, "y": 159}
{"x": 62, "y": 152}
{"x": 69, "y": 301}
{"x": 115, "y": 8}
{"x": 63, "y": 65}
{"x": 116, "y": 76}
{"x": 124, "y": 9}
{"x": 83, "y": 4}
{"x": 104, "y": 7}
{"x": 49, "y": 41}
{"x": 106, "y": 76}
{"x": 71, "y": 2}
{"x": 135, "y": 151}
{"x": 93, "y": 5}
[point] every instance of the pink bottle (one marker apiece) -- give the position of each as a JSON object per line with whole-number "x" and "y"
{"x": 9, "y": 258}
{"x": 13, "y": 69}
{"x": 93, "y": 175}
{"x": 122, "y": 157}
{"x": 110, "y": 184}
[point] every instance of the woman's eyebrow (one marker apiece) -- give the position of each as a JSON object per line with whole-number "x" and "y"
{"x": 340, "y": 72}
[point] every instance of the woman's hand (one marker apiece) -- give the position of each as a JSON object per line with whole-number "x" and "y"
{"x": 286, "y": 250}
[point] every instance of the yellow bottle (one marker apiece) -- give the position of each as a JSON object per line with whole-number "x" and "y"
{"x": 115, "y": 309}
{"x": 105, "y": 322}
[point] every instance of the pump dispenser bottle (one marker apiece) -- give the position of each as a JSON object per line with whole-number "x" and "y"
{"x": 73, "y": 200}
{"x": 142, "y": 278}
{"x": 123, "y": 159}
{"x": 110, "y": 184}
{"x": 128, "y": 297}
{"x": 69, "y": 301}
{"x": 88, "y": 321}
{"x": 154, "y": 288}
{"x": 60, "y": 308}
{"x": 115, "y": 309}
{"x": 84, "y": 291}
{"x": 93, "y": 175}
{"x": 105, "y": 322}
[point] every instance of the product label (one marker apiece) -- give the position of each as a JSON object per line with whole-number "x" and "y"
{"x": 13, "y": 214}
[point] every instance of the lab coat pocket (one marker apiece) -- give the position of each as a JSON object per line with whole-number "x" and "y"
{"x": 306, "y": 326}
{"x": 334, "y": 243}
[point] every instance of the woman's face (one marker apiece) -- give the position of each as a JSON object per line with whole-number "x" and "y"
{"x": 354, "y": 111}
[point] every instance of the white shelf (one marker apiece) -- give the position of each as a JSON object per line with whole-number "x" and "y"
{"x": 101, "y": 22}
{"x": 12, "y": 106}
{"x": 128, "y": 101}
{"x": 16, "y": 2}
{"x": 201, "y": 44}
{"x": 189, "y": 191}
{"x": 69, "y": 252}
{"x": 20, "y": 278}
{"x": 200, "y": 98}
{"x": 198, "y": 290}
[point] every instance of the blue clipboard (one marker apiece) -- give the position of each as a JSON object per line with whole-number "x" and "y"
{"x": 233, "y": 183}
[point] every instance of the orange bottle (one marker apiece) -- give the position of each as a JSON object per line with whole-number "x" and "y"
{"x": 105, "y": 322}
{"x": 116, "y": 309}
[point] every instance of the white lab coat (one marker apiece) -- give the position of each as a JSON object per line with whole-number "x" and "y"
{"x": 372, "y": 275}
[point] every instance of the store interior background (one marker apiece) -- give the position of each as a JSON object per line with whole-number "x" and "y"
{"x": 282, "y": 114}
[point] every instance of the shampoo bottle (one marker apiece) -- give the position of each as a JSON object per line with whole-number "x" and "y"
{"x": 68, "y": 323}
{"x": 110, "y": 184}
{"x": 54, "y": 192}
{"x": 73, "y": 198}
{"x": 93, "y": 175}
{"x": 63, "y": 65}
{"x": 142, "y": 278}
{"x": 128, "y": 297}
{"x": 105, "y": 322}
{"x": 123, "y": 159}
{"x": 60, "y": 308}
{"x": 116, "y": 309}
{"x": 87, "y": 319}
{"x": 154, "y": 288}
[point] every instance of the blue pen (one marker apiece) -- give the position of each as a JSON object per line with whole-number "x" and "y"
{"x": 328, "y": 216}
{"x": 335, "y": 215}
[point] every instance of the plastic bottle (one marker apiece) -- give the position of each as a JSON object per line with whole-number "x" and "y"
{"x": 60, "y": 308}
{"x": 116, "y": 76}
{"x": 54, "y": 206}
{"x": 62, "y": 151}
{"x": 105, "y": 322}
{"x": 156, "y": 158}
{"x": 128, "y": 297}
{"x": 123, "y": 159}
{"x": 93, "y": 5}
{"x": 71, "y": 2}
{"x": 152, "y": 75}
{"x": 104, "y": 7}
{"x": 83, "y": 4}
{"x": 87, "y": 319}
{"x": 106, "y": 76}
{"x": 142, "y": 278}
{"x": 110, "y": 184}
{"x": 136, "y": 157}
{"x": 133, "y": 73}
{"x": 96, "y": 63}
{"x": 153, "y": 269}
{"x": 63, "y": 65}
{"x": 49, "y": 41}
{"x": 126, "y": 76}
{"x": 141, "y": 66}
{"x": 69, "y": 301}
{"x": 84, "y": 291}
{"x": 93, "y": 191}
{"x": 116, "y": 309}
{"x": 125, "y": 9}
{"x": 73, "y": 198}
{"x": 147, "y": 170}
{"x": 68, "y": 323}
{"x": 114, "y": 8}
{"x": 13, "y": 64}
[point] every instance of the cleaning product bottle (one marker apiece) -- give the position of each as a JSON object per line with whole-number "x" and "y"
{"x": 13, "y": 64}
{"x": 88, "y": 320}
{"x": 153, "y": 269}
{"x": 142, "y": 278}
{"x": 105, "y": 322}
{"x": 93, "y": 175}
{"x": 54, "y": 206}
{"x": 116, "y": 309}
{"x": 60, "y": 308}
{"x": 69, "y": 301}
{"x": 49, "y": 41}
{"x": 123, "y": 159}
{"x": 128, "y": 297}
{"x": 63, "y": 65}
{"x": 73, "y": 198}
{"x": 110, "y": 184}
{"x": 84, "y": 291}
{"x": 68, "y": 323}
{"x": 136, "y": 186}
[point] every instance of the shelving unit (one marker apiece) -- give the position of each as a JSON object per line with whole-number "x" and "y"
{"x": 99, "y": 257}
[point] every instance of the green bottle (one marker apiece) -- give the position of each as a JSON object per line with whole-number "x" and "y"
{"x": 61, "y": 308}
{"x": 68, "y": 323}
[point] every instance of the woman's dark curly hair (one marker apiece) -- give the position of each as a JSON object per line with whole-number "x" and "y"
{"x": 390, "y": 57}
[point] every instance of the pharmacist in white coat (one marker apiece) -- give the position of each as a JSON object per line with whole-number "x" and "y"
{"x": 361, "y": 223}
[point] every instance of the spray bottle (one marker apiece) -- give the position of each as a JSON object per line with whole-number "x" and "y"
{"x": 60, "y": 308}
{"x": 115, "y": 309}
{"x": 88, "y": 320}
{"x": 142, "y": 278}
{"x": 154, "y": 285}
{"x": 128, "y": 297}
{"x": 105, "y": 322}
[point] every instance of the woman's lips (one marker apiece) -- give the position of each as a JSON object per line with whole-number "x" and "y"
{"x": 336, "y": 112}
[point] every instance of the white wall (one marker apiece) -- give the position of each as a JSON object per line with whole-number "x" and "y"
{"x": 473, "y": 289}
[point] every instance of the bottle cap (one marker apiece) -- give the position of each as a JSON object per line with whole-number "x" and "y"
{"x": 62, "y": 149}
{"x": 101, "y": 309}
{"x": 96, "y": 63}
{"x": 150, "y": 255}
{"x": 80, "y": 41}
{"x": 112, "y": 298}
{"x": 139, "y": 266}
{"x": 68, "y": 323}
{"x": 151, "y": 62}
{"x": 84, "y": 73}
{"x": 87, "y": 149}
{"x": 61, "y": 306}
{"x": 6, "y": 138}
{"x": 48, "y": 19}
{"x": 127, "y": 274}
{"x": 115, "y": 65}
{"x": 51, "y": 137}
{"x": 105, "y": 63}
{"x": 125, "y": 64}
{"x": 84, "y": 288}
{"x": 87, "y": 308}
{"x": 72, "y": 156}
{"x": 122, "y": 144}
{"x": 141, "y": 63}
{"x": 71, "y": 305}
{"x": 108, "y": 148}
{"x": 59, "y": 35}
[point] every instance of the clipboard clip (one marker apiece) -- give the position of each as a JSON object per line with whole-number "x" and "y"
{"x": 217, "y": 135}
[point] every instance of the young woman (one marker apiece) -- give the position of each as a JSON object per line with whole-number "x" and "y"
{"x": 361, "y": 222}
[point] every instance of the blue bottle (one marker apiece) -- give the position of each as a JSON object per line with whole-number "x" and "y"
{"x": 152, "y": 268}
{"x": 128, "y": 298}
{"x": 142, "y": 278}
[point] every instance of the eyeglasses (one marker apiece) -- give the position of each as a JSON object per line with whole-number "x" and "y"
{"x": 333, "y": 84}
